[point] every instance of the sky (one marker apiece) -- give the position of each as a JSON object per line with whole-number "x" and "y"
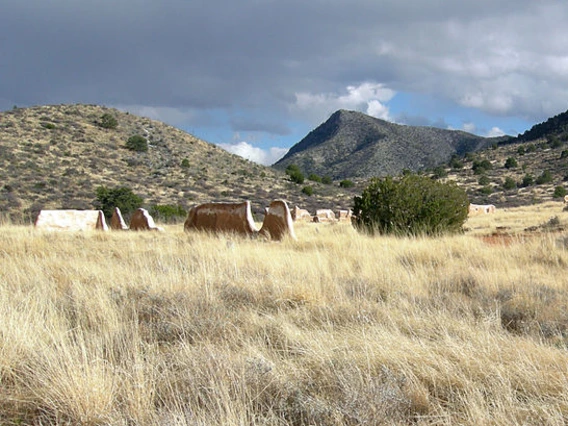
{"x": 256, "y": 76}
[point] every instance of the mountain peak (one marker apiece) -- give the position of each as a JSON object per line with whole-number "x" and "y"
{"x": 351, "y": 144}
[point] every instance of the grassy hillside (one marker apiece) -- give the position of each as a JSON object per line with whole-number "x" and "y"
{"x": 336, "y": 328}
{"x": 56, "y": 157}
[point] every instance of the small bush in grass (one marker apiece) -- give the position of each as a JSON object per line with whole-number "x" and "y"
{"x": 346, "y": 183}
{"x": 559, "y": 192}
{"x": 439, "y": 172}
{"x": 168, "y": 213}
{"x": 481, "y": 166}
{"x": 511, "y": 163}
{"x": 411, "y": 205}
{"x": 456, "y": 163}
{"x": 108, "y": 121}
{"x": 484, "y": 180}
{"x": 308, "y": 190}
{"x": 544, "y": 177}
{"x": 137, "y": 143}
{"x": 528, "y": 180}
{"x": 326, "y": 180}
{"x": 509, "y": 183}
{"x": 295, "y": 174}
{"x": 486, "y": 190}
{"x": 185, "y": 163}
{"x": 314, "y": 178}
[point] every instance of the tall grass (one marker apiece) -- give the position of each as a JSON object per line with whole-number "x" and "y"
{"x": 336, "y": 328}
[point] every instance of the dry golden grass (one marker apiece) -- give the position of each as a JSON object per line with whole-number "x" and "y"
{"x": 336, "y": 328}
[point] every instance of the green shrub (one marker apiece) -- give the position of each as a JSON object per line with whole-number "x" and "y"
{"x": 509, "y": 183}
{"x": 456, "y": 163}
{"x": 559, "y": 192}
{"x": 439, "y": 172}
{"x": 346, "y": 183}
{"x": 108, "y": 121}
{"x": 564, "y": 153}
{"x": 137, "y": 143}
{"x": 554, "y": 141}
{"x": 308, "y": 190}
{"x": 481, "y": 166}
{"x": 411, "y": 205}
{"x": 295, "y": 174}
{"x": 521, "y": 150}
{"x": 545, "y": 177}
{"x": 121, "y": 197}
{"x": 511, "y": 163}
{"x": 528, "y": 180}
{"x": 185, "y": 163}
{"x": 486, "y": 190}
{"x": 484, "y": 180}
{"x": 314, "y": 178}
{"x": 168, "y": 213}
{"x": 47, "y": 125}
{"x": 326, "y": 180}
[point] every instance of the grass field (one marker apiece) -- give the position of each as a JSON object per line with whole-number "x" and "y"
{"x": 336, "y": 328}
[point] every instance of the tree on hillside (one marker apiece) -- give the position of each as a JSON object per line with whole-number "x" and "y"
{"x": 108, "y": 121}
{"x": 137, "y": 143}
{"x": 295, "y": 174}
{"x": 121, "y": 197}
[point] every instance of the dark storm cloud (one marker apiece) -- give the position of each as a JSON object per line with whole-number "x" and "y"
{"x": 502, "y": 57}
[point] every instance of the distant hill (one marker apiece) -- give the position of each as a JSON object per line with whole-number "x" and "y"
{"x": 351, "y": 144}
{"x": 56, "y": 156}
{"x": 555, "y": 126}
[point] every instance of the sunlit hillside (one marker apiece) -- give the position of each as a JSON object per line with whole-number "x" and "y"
{"x": 337, "y": 328}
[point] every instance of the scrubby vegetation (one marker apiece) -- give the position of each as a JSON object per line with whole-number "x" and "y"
{"x": 411, "y": 205}
{"x": 122, "y": 197}
{"x": 137, "y": 143}
{"x": 337, "y": 328}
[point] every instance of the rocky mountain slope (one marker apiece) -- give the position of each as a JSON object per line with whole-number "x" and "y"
{"x": 57, "y": 156}
{"x": 351, "y": 145}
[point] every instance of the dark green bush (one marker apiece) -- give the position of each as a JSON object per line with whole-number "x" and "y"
{"x": 509, "y": 183}
{"x": 108, "y": 121}
{"x": 314, "y": 178}
{"x": 521, "y": 150}
{"x": 121, "y": 197}
{"x": 295, "y": 174}
{"x": 554, "y": 141}
{"x": 185, "y": 163}
{"x": 511, "y": 163}
{"x": 484, "y": 180}
{"x": 326, "y": 180}
{"x": 544, "y": 177}
{"x": 168, "y": 213}
{"x": 559, "y": 192}
{"x": 528, "y": 180}
{"x": 346, "y": 183}
{"x": 439, "y": 172}
{"x": 47, "y": 125}
{"x": 456, "y": 163}
{"x": 308, "y": 190}
{"x": 411, "y": 205}
{"x": 137, "y": 143}
{"x": 481, "y": 166}
{"x": 486, "y": 190}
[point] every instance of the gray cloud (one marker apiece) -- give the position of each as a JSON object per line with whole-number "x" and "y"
{"x": 504, "y": 57}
